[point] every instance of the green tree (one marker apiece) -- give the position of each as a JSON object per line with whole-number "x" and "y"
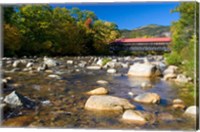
{"x": 8, "y": 11}
{"x": 11, "y": 39}
{"x": 33, "y": 22}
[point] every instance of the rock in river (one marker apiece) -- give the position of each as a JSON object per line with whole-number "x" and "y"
{"x": 70, "y": 62}
{"x": 178, "y": 104}
{"x": 147, "y": 98}
{"x": 138, "y": 117}
{"x": 182, "y": 79}
{"x": 170, "y": 70}
{"x": 142, "y": 70}
{"x": 165, "y": 117}
{"x": 50, "y": 62}
{"x": 107, "y": 103}
{"x": 192, "y": 110}
{"x": 102, "y": 82}
{"x": 93, "y": 67}
{"x": 17, "y": 63}
{"x": 146, "y": 85}
{"x": 98, "y": 91}
{"x": 111, "y": 71}
{"x": 169, "y": 76}
{"x": 54, "y": 76}
{"x": 15, "y": 99}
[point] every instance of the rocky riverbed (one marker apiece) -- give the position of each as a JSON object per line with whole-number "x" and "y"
{"x": 96, "y": 92}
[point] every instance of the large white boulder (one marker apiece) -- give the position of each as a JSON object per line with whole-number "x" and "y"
{"x": 192, "y": 110}
{"x": 107, "y": 103}
{"x": 142, "y": 70}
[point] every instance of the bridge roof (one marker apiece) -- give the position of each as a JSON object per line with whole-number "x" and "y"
{"x": 142, "y": 40}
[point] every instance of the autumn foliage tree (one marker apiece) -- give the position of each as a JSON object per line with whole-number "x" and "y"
{"x": 43, "y": 30}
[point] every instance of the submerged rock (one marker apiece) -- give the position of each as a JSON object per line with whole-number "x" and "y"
{"x": 142, "y": 70}
{"x": 102, "y": 82}
{"x": 138, "y": 117}
{"x": 147, "y": 98}
{"x": 15, "y": 99}
{"x": 165, "y": 117}
{"x": 107, "y": 103}
{"x": 146, "y": 85}
{"x": 98, "y": 91}
{"x": 54, "y": 76}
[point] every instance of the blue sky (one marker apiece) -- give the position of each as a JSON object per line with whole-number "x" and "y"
{"x": 131, "y": 15}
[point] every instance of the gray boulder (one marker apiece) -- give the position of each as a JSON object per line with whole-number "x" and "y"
{"x": 15, "y": 99}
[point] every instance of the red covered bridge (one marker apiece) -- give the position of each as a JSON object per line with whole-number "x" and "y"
{"x": 141, "y": 44}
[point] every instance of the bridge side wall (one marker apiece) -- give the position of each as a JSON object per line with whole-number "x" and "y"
{"x": 139, "y": 47}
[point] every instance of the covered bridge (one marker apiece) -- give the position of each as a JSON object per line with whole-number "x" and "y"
{"x": 140, "y": 44}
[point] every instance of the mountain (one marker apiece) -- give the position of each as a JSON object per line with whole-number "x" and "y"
{"x": 151, "y": 30}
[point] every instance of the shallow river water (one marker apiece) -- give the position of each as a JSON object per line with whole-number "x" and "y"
{"x": 67, "y": 99}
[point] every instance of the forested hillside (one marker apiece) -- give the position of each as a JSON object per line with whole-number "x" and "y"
{"x": 152, "y": 30}
{"x": 43, "y": 30}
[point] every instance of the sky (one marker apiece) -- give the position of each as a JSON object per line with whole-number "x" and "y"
{"x": 130, "y": 15}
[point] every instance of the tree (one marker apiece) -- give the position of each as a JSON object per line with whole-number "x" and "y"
{"x": 184, "y": 36}
{"x": 183, "y": 29}
{"x": 7, "y": 13}
{"x": 11, "y": 39}
{"x": 43, "y": 30}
